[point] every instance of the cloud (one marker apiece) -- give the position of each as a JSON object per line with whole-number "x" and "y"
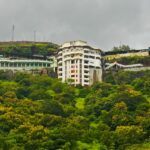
{"x": 104, "y": 23}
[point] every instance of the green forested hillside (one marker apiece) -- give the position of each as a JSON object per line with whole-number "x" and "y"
{"x": 27, "y": 49}
{"x": 41, "y": 113}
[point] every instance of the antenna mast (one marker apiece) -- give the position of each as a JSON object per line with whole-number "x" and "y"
{"x": 34, "y": 36}
{"x": 13, "y": 32}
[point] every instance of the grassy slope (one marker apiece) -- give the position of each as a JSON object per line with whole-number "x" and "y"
{"x": 23, "y": 44}
{"x": 26, "y": 48}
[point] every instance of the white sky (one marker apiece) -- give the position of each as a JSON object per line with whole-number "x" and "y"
{"x": 103, "y": 23}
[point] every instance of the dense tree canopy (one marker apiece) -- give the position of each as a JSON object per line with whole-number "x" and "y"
{"x": 28, "y": 50}
{"x": 41, "y": 113}
{"x": 121, "y": 48}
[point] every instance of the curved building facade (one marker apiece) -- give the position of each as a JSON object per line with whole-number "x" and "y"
{"x": 79, "y": 63}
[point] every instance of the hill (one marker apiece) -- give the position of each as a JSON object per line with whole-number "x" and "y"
{"x": 145, "y": 60}
{"x": 27, "y": 49}
{"x": 41, "y": 113}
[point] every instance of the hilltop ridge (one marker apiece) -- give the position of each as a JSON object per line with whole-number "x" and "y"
{"x": 27, "y": 49}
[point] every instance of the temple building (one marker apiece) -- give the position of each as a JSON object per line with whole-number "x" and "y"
{"x": 79, "y": 63}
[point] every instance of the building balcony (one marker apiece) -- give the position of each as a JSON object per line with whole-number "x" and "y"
{"x": 86, "y": 69}
{"x": 59, "y": 57}
{"x": 74, "y": 52}
{"x": 73, "y": 58}
{"x": 60, "y": 62}
{"x": 86, "y": 74}
{"x": 60, "y": 67}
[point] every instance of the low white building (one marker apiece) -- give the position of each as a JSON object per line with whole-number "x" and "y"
{"x": 24, "y": 64}
{"x": 134, "y": 67}
{"x": 79, "y": 63}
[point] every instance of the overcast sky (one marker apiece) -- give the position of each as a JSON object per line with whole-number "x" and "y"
{"x": 102, "y": 23}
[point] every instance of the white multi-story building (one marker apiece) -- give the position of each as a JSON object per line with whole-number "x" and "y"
{"x": 79, "y": 63}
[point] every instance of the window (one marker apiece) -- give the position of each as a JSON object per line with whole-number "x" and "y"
{"x": 44, "y": 64}
{"x": 91, "y": 66}
{"x": 72, "y": 71}
{"x": 23, "y": 65}
{"x": 9, "y": 64}
{"x": 85, "y": 66}
{"x": 86, "y": 51}
{"x": 86, "y": 76}
{"x": 72, "y": 61}
{"x": 92, "y": 57}
{"x": 27, "y": 64}
{"x": 72, "y": 55}
{"x": 6, "y": 64}
{"x": 85, "y": 56}
{"x": 86, "y": 71}
{"x": 86, "y": 61}
{"x": 15, "y": 65}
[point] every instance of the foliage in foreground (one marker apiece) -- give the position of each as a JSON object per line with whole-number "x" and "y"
{"x": 40, "y": 113}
